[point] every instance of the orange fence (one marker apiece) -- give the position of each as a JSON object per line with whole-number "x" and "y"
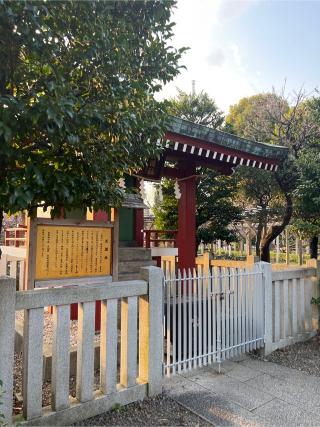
{"x": 205, "y": 262}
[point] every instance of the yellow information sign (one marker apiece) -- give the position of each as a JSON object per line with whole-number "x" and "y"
{"x": 72, "y": 251}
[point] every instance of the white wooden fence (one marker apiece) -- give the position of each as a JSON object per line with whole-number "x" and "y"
{"x": 210, "y": 317}
{"x": 216, "y": 313}
{"x": 12, "y": 263}
{"x": 294, "y": 318}
{"x": 141, "y": 347}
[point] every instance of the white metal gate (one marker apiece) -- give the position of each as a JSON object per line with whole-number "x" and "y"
{"x": 212, "y": 317}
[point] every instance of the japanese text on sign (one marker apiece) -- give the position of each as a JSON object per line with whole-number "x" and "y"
{"x": 72, "y": 251}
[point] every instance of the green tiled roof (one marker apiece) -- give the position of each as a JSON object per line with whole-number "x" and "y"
{"x": 227, "y": 140}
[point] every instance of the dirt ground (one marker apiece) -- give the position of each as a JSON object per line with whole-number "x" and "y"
{"x": 158, "y": 411}
{"x": 303, "y": 356}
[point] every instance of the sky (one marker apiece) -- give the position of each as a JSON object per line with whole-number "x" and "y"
{"x": 240, "y": 47}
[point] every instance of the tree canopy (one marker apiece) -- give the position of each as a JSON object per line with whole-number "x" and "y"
{"x": 273, "y": 118}
{"x": 165, "y": 208}
{"x": 77, "y": 84}
{"x": 216, "y": 212}
{"x": 306, "y": 219}
{"x": 197, "y": 108}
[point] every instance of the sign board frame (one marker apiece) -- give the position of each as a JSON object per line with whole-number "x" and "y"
{"x": 33, "y": 223}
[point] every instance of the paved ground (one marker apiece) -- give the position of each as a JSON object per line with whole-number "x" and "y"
{"x": 249, "y": 392}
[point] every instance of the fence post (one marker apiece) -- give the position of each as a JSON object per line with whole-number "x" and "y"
{"x": 7, "y": 321}
{"x": 315, "y": 292}
{"x": 3, "y": 264}
{"x": 150, "y": 330}
{"x": 267, "y": 283}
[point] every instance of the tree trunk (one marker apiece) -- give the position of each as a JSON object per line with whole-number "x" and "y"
{"x": 314, "y": 247}
{"x": 258, "y": 238}
{"x": 275, "y": 230}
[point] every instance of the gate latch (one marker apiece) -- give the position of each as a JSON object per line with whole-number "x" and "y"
{"x": 222, "y": 294}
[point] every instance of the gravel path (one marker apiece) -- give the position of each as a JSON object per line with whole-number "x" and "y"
{"x": 158, "y": 411}
{"x": 303, "y": 356}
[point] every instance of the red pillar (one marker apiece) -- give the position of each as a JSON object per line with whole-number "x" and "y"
{"x": 187, "y": 219}
{"x": 139, "y": 223}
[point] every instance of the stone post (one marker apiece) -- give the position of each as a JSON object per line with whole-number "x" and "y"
{"x": 267, "y": 284}
{"x": 314, "y": 263}
{"x": 7, "y": 321}
{"x": 151, "y": 333}
{"x": 3, "y": 264}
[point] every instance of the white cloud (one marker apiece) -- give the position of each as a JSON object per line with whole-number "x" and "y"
{"x": 216, "y": 65}
{"x": 229, "y": 9}
{"x": 216, "y": 57}
{"x": 235, "y": 49}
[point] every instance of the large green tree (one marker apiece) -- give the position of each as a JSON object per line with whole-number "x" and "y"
{"x": 197, "y": 108}
{"x": 307, "y": 207}
{"x": 165, "y": 208}
{"x": 215, "y": 210}
{"x": 77, "y": 84}
{"x": 273, "y": 118}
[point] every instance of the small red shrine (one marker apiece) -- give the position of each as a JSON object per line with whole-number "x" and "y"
{"x": 187, "y": 146}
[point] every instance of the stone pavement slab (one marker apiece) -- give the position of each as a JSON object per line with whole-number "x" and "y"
{"x": 249, "y": 392}
{"x": 247, "y": 396}
{"x": 216, "y": 409}
{"x": 237, "y": 371}
{"x": 299, "y": 394}
{"x": 280, "y": 413}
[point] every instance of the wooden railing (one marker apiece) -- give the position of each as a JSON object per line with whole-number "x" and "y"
{"x": 15, "y": 236}
{"x": 205, "y": 261}
{"x": 158, "y": 238}
{"x": 169, "y": 264}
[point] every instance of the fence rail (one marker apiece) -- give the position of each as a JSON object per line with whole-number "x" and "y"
{"x": 140, "y": 363}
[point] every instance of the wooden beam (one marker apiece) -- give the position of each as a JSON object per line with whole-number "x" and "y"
{"x": 177, "y": 156}
{"x": 204, "y": 145}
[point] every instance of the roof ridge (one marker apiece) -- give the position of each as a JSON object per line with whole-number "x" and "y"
{"x": 211, "y": 135}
